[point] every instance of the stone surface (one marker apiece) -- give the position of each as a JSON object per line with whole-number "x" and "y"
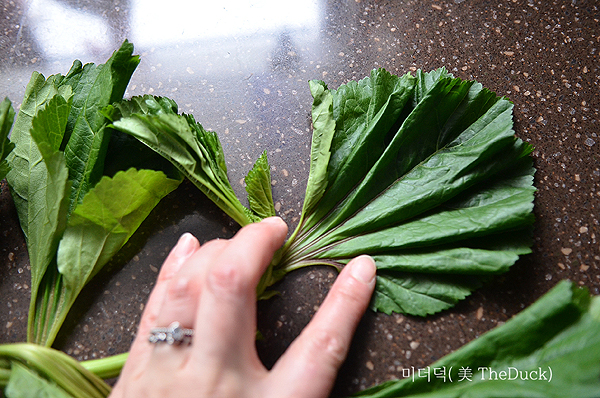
{"x": 243, "y": 73}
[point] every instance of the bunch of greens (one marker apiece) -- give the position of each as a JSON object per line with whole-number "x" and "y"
{"x": 38, "y": 371}
{"x": 423, "y": 173}
{"x": 195, "y": 152}
{"x": 73, "y": 216}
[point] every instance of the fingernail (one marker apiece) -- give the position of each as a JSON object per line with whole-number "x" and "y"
{"x": 185, "y": 245}
{"x": 363, "y": 269}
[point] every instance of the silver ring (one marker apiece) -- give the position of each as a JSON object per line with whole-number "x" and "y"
{"x": 174, "y": 334}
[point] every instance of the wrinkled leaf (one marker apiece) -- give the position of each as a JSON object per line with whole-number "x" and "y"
{"x": 323, "y": 129}
{"x": 94, "y": 87}
{"x": 258, "y": 186}
{"x": 27, "y": 172}
{"x": 98, "y": 227}
{"x": 422, "y": 174}
{"x": 556, "y": 341}
{"x": 49, "y": 125}
{"x": 197, "y": 153}
{"x": 40, "y": 169}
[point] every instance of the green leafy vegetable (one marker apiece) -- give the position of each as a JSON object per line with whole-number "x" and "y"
{"x": 258, "y": 186}
{"x": 7, "y": 115}
{"x": 39, "y": 181}
{"x": 424, "y": 174}
{"x": 197, "y": 153}
{"x": 551, "y": 349}
{"x": 73, "y": 221}
{"x": 97, "y": 229}
{"x": 94, "y": 87}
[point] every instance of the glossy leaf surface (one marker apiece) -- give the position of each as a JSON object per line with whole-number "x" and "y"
{"x": 424, "y": 174}
{"x": 196, "y": 152}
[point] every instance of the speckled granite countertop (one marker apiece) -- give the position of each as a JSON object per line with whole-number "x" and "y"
{"x": 242, "y": 69}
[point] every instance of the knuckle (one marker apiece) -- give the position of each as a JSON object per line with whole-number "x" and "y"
{"x": 182, "y": 287}
{"x": 148, "y": 320}
{"x": 325, "y": 345}
{"x": 350, "y": 293}
{"x": 227, "y": 279}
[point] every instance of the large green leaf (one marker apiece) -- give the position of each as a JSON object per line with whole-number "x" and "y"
{"x": 258, "y": 187}
{"x": 197, "y": 153}
{"x": 422, "y": 173}
{"x": 39, "y": 178}
{"x": 98, "y": 227}
{"x": 94, "y": 87}
{"x": 7, "y": 116}
{"x": 551, "y": 349}
{"x": 109, "y": 214}
{"x": 28, "y": 173}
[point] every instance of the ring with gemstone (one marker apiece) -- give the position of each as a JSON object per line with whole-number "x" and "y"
{"x": 173, "y": 334}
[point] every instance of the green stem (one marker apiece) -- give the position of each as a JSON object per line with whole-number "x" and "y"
{"x": 106, "y": 368}
{"x": 50, "y": 310}
{"x": 4, "y": 372}
{"x": 56, "y": 366}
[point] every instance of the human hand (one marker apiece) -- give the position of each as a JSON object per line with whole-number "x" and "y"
{"x": 212, "y": 289}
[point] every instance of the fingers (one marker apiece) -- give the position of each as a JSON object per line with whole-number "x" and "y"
{"x": 183, "y": 250}
{"x": 221, "y": 276}
{"x": 213, "y": 289}
{"x": 186, "y": 246}
{"x": 228, "y": 301}
{"x": 183, "y": 291}
{"x": 310, "y": 365}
